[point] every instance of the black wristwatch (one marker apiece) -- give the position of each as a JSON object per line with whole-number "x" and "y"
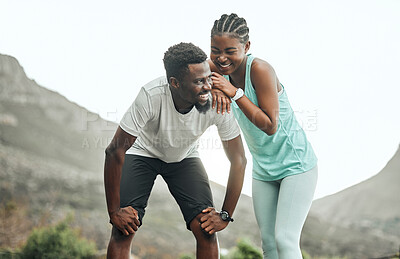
{"x": 225, "y": 216}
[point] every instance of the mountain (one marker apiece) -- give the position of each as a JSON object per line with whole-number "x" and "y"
{"x": 372, "y": 200}
{"x": 364, "y": 220}
{"x": 51, "y": 153}
{"x": 51, "y": 164}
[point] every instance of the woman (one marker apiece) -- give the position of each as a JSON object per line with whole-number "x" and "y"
{"x": 284, "y": 164}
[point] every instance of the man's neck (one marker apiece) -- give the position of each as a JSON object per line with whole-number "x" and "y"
{"x": 181, "y": 106}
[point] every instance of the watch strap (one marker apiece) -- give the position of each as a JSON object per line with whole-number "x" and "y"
{"x": 239, "y": 93}
{"x": 225, "y": 216}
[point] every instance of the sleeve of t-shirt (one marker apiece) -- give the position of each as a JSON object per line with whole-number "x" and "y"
{"x": 137, "y": 115}
{"x": 227, "y": 126}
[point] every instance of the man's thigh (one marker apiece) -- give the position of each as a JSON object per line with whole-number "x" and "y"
{"x": 137, "y": 180}
{"x": 188, "y": 183}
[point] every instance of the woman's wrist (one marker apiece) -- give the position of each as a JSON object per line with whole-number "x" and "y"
{"x": 233, "y": 92}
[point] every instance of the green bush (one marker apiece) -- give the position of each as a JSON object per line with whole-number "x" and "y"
{"x": 305, "y": 255}
{"x": 187, "y": 256}
{"x": 245, "y": 250}
{"x": 8, "y": 253}
{"x": 59, "y": 241}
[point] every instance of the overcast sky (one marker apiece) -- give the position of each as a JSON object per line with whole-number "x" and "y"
{"x": 338, "y": 60}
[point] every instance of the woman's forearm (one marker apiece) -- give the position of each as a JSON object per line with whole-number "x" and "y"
{"x": 257, "y": 116}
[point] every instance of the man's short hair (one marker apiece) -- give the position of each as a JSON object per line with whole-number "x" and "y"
{"x": 179, "y": 56}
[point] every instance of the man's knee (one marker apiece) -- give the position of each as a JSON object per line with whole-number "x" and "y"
{"x": 118, "y": 237}
{"x": 199, "y": 233}
{"x": 119, "y": 245}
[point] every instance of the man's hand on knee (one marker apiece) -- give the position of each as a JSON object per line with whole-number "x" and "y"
{"x": 212, "y": 222}
{"x": 126, "y": 220}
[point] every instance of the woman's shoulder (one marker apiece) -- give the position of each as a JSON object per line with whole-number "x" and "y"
{"x": 262, "y": 64}
{"x": 260, "y": 67}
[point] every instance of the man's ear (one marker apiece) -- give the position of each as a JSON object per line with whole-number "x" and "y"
{"x": 173, "y": 81}
{"x": 246, "y": 47}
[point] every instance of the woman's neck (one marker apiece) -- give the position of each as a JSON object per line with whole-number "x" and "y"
{"x": 237, "y": 78}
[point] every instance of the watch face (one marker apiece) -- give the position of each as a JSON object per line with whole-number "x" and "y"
{"x": 224, "y": 215}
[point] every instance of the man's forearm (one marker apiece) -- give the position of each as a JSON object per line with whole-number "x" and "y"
{"x": 234, "y": 186}
{"x": 112, "y": 178}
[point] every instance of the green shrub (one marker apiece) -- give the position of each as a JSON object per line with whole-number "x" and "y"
{"x": 245, "y": 250}
{"x": 187, "y": 256}
{"x": 305, "y": 255}
{"x": 59, "y": 241}
{"x": 8, "y": 253}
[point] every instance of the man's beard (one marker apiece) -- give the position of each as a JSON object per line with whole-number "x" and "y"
{"x": 203, "y": 108}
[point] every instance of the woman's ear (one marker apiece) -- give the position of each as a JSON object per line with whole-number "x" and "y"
{"x": 246, "y": 47}
{"x": 174, "y": 82}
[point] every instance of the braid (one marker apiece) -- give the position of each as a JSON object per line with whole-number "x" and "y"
{"x": 221, "y": 22}
{"x": 232, "y": 21}
{"x": 232, "y": 24}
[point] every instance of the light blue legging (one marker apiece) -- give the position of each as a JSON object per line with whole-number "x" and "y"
{"x": 281, "y": 208}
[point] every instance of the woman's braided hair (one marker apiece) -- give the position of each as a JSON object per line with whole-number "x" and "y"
{"x": 233, "y": 25}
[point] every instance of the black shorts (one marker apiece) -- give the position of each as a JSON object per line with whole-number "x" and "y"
{"x": 187, "y": 181}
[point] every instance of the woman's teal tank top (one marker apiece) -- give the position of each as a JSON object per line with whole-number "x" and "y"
{"x": 285, "y": 153}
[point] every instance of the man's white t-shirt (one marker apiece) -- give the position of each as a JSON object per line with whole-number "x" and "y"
{"x": 164, "y": 133}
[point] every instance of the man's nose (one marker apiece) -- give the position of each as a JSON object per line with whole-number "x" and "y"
{"x": 208, "y": 85}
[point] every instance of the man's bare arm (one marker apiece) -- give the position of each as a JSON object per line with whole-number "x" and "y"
{"x": 125, "y": 219}
{"x": 234, "y": 150}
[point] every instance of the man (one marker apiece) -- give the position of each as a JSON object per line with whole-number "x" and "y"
{"x": 159, "y": 135}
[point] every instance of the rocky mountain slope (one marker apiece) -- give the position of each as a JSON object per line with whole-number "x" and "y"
{"x": 51, "y": 162}
{"x": 364, "y": 220}
{"x": 376, "y": 199}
